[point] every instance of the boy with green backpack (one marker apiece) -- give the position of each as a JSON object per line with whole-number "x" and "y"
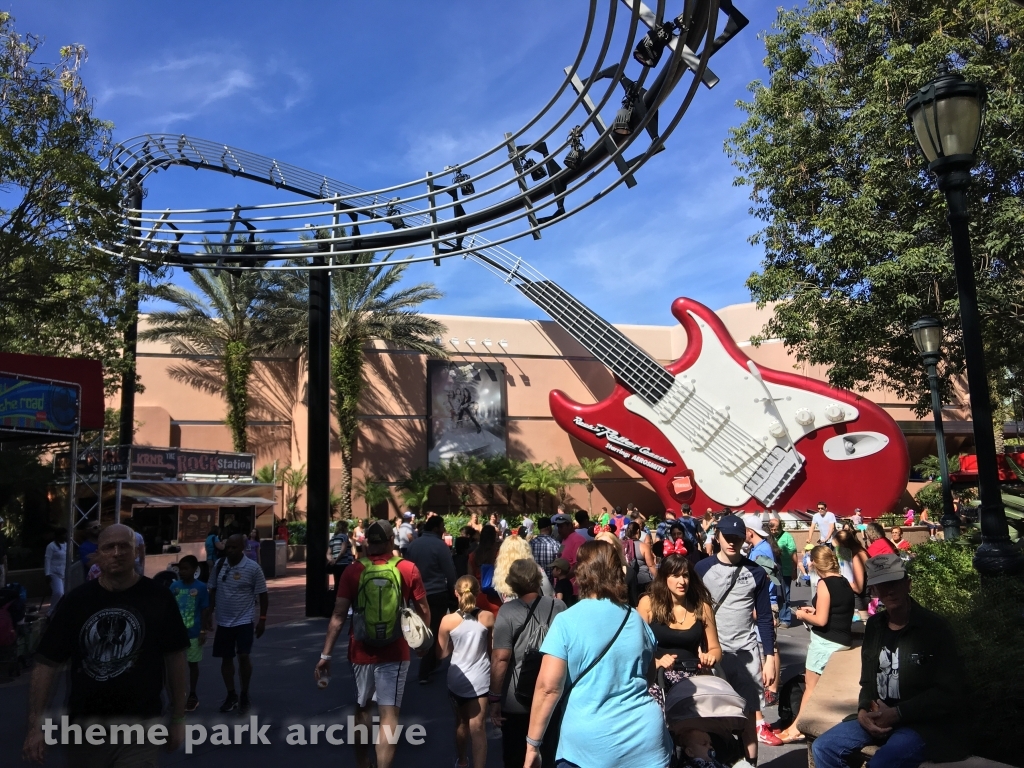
{"x": 377, "y": 587}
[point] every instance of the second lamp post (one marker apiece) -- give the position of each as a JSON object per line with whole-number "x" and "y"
{"x": 928, "y": 340}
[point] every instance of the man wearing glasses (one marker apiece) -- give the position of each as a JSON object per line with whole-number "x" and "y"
{"x": 824, "y": 522}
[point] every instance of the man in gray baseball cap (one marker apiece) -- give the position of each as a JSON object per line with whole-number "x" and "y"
{"x": 912, "y": 682}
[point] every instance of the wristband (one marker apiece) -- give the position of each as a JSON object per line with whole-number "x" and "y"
{"x": 494, "y": 698}
{"x": 263, "y": 617}
{"x": 324, "y": 657}
{"x": 535, "y": 743}
{"x": 178, "y": 720}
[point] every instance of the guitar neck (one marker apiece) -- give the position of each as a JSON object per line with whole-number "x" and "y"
{"x": 631, "y": 365}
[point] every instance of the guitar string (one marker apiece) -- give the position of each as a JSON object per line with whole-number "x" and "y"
{"x": 732, "y": 454}
{"x": 742, "y": 449}
{"x": 733, "y": 436}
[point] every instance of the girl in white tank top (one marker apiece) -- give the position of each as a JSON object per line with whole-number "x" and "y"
{"x": 466, "y": 636}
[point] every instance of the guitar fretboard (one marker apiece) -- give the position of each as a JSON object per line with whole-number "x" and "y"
{"x": 631, "y": 365}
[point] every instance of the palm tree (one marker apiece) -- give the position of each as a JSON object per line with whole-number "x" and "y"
{"x": 512, "y": 474}
{"x": 294, "y": 480}
{"x": 447, "y": 473}
{"x": 227, "y": 320}
{"x": 565, "y": 475}
{"x": 592, "y": 468}
{"x": 416, "y": 488}
{"x": 540, "y": 479}
{"x": 374, "y": 492}
{"x": 366, "y": 305}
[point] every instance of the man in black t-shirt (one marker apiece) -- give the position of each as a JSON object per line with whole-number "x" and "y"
{"x": 122, "y": 634}
{"x": 912, "y": 682}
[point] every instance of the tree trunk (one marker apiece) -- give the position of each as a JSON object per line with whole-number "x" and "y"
{"x": 237, "y": 369}
{"x": 345, "y": 491}
{"x": 347, "y": 381}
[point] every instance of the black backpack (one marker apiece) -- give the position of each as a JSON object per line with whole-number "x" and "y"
{"x": 532, "y": 657}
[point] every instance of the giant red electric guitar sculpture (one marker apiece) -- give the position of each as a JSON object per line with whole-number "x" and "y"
{"x": 716, "y": 430}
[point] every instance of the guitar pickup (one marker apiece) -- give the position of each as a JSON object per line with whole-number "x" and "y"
{"x": 774, "y": 475}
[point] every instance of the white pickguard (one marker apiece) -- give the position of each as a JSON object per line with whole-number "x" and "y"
{"x": 739, "y": 398}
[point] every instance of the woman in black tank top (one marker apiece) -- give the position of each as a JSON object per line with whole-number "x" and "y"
{"x": 829, "y": 619}
{"x": 678, "y": 610}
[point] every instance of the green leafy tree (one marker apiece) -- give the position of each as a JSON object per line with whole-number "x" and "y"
{"x": 565, "y": 476}
{"x": 416, "y": 488}
{"x": 367, "y": 304}
{"x": 294, "y": 480}
{"x": 856, "y": 246}
{"x": 512, "y": 475}
{"x": 230, "y": 320}
{"x": 59, "y": 294}
{"x": 267, "y": 474}
{"x": 592, "y": 468}
{"x": 541, "y": 480}
{"x": 373, "y": 491}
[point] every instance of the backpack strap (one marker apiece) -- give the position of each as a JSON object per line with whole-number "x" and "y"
{"x": 716, "y": 604}
{"x": 519, "y": 632}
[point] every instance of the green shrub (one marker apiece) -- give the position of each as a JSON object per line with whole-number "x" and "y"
{"x": 297, "y": 532}
{"x": 987, "y": 616}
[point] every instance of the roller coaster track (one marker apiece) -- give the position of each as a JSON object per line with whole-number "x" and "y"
{"x": 526, "y": 182}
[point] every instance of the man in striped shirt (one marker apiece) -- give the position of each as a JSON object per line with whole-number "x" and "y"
{"x": 235, "y": 585}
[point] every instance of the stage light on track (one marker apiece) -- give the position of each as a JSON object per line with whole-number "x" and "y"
{"x": 623, "y": 125}
{"x": 394, "y": 210}
{"x": 648, "y": 51}
{"x": 537, "y": 172}
{"x": 464, "y": 180}
{"x": 576, "y": 153}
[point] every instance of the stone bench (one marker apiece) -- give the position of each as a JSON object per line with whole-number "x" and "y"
{"x": 835, "y": 698}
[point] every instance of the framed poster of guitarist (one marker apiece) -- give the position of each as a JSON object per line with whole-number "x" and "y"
{"x": 466, "y": 416}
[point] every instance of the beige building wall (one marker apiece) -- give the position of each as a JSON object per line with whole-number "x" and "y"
{"x": 181, "y": 405}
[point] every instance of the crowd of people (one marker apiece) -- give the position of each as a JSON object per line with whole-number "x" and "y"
{"x": 567, "y": 635}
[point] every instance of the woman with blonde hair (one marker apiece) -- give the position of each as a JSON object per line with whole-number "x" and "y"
{"x": 830, "y": 618}
{"x": 515, "y": 548}
{"x": 466, "y": 636}
{"x": 602, "y": 649}
{"x": 853, "y": 558}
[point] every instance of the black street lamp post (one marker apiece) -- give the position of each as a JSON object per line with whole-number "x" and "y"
{"x": 928, "y": 339}
{"x": 947, "y": 117}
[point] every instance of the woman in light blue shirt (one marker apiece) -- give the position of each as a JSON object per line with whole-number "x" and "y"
{"x": 604, "y": 652}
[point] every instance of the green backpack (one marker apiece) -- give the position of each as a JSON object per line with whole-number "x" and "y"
{"x": 378, "y": 603}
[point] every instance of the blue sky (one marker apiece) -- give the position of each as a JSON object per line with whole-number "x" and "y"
{"x": 377, "y": 93}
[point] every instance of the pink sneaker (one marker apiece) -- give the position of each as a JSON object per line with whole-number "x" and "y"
{"x": 766, "y": 735}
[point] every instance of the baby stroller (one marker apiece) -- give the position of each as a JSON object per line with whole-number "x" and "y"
{"x": 705, "y": 716}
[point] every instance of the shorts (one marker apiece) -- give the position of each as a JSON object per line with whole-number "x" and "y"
{"x": 742, "y": 669}
{"x": 194, "y": 652}
{"x": 860, "y": 602}
{"x": 382, "y": 683}
{"x": 231, "y": 640}
{"x": 458, "y": 701}
{"x": 819, "y": 652}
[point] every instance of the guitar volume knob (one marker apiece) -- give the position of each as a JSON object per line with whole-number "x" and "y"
{"x": 776, "y": 429}
{"x": 834, "y": 413}
{"x": 804, "y": 417}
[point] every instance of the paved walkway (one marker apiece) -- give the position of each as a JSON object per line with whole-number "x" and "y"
{"x": 283, "y": 693}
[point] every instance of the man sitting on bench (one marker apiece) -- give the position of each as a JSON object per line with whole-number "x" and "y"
{"x": 911, "y": 683}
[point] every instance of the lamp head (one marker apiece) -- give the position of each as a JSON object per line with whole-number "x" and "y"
{"x": 648, "y": 51}
{"x": 927, "y": 334}
{"x": 947, "y": 116}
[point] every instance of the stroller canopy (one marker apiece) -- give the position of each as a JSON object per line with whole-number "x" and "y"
{"x": 706, "y": 703}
